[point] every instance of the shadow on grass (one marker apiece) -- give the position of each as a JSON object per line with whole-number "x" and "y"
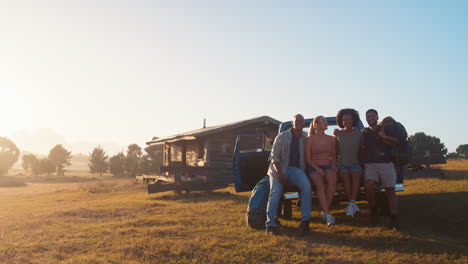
{"x": 459, "y": 175}
{"x": 405, "y": 245}
{"x": 444, "y": 215}
{"x": 441, "y": 217}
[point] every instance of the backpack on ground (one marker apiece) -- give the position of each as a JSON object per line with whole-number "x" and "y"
{"x": 402, "y": 152}
{"x": 256, "y": 210}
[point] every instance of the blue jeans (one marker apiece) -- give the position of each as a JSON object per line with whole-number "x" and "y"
{"x": 297, "y": 177}
{"x": 350, "y": 169}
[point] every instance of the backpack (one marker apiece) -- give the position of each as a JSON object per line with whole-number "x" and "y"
{"x": 401, "y": 153}
{"x": 256, "y": 209}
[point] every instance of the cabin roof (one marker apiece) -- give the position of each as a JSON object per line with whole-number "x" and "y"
{"x": 190, "y": 135}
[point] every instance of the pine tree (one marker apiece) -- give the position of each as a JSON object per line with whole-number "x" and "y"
{"x": 60, "y": 157}
{"x": 116, "y": 164}
{"x": 132, "y": 163}
{"x": 98, "y": 161}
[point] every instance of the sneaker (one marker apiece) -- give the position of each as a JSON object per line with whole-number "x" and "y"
{"x": 352, "y": 209}
{"x": 356, "y": 208}
{"x": 304, "y": 227}
{"x": 394, "y": 223}
{"x": 330, "y": 219}
{"x": 272, "y": 230}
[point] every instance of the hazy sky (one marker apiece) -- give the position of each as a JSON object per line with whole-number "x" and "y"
{"x": 121, "y": 72}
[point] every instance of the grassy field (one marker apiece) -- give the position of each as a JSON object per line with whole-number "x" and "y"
{"x": 116, "y": 221}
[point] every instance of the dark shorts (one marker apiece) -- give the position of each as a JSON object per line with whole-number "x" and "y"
{"x": 349, "y": 169}
{"x": 311, "y": 170}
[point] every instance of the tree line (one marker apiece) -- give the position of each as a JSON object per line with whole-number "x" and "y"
{"x": 134, "y": 162}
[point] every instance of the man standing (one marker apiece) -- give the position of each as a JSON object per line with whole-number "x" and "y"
{"x": 379, "y": 167}
{"x": 287, "y": 165}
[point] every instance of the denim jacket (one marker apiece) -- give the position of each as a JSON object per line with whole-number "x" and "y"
{"x": 281, "y": 150}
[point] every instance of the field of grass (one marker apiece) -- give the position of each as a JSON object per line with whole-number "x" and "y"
{"x": 116, "y": 221}
{"x": 5, "y": 182}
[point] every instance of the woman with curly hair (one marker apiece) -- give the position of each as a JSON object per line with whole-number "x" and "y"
{"x": 348, "y": 141}
{"x": 321, "y": 164}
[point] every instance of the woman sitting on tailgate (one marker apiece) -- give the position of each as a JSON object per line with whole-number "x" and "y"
{"x": 321, "y": 162}
{"x": 348, "y": 140}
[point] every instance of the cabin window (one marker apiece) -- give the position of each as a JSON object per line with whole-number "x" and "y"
{"x": 200, "y": 150}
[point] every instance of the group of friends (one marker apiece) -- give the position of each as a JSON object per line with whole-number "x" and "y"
{"x": 319, "y": 159}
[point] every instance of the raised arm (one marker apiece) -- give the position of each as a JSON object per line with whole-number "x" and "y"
{"x": 388, "y": 139}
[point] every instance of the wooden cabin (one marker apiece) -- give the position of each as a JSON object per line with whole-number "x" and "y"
{"x": 206, "y": 152}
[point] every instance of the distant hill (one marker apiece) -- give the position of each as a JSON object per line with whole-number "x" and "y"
{"x": 42, "y": 140}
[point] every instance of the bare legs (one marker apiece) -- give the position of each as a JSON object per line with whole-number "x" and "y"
{"x": 371, "y": 187}
{"x": 325, "y": 192}
{"x": 351, "y": 184}
{"x": 391, "y": 199}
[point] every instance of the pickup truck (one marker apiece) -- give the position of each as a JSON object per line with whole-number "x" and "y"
{"x": 251, "y": 161}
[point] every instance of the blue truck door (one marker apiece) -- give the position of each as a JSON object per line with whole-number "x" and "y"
{"x": 251, "y": 159}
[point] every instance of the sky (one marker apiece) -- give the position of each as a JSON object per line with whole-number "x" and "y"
{"x": 83, "y": 73}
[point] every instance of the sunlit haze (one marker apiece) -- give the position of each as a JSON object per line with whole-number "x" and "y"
{"x": 82, "y": 73}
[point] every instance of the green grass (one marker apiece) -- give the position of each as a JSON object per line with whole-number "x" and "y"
{"x": 111, "y": 222}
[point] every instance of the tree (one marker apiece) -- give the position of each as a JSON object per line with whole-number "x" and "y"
{"x": 148, "y": 165}
{"x": 36, "y": 167}
{"x": 427, "y": 149}
{"x": 9, "y": 154}
{"x": 45, "y": 165}
{"x": 98, "y": 161}
{"x": 132, "y": 163}
{"x": 453, "y": 155}
{"x": 28, "y": 161}
{"x": 116, "y": 164}
{"x": 462, "y": 151}
{"x": 60, "y": 157}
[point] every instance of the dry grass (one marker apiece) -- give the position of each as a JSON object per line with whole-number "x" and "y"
{"x": 8, "y": 183}
{"x": 454, "y": 165}
{"x": 118, "y": 222}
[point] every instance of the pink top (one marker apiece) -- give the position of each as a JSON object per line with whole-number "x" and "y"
{"x": 321, "y": 151}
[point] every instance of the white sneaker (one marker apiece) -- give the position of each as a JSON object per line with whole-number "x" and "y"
{"x": 330, "y": 219}
{"x": 349, "y": 209}
{"x": 352, "y": 209}
{"x": 356, "y": 208}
